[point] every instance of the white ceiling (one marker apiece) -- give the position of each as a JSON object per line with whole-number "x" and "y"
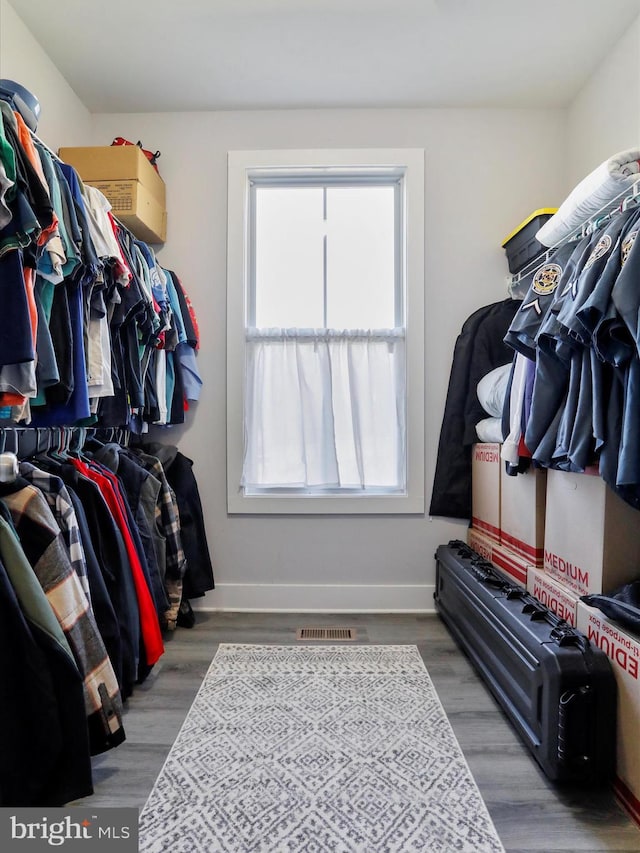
{"x": 168, "y": 55}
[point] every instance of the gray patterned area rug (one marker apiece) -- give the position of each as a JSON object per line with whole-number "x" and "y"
{"x": 290, "y": 749}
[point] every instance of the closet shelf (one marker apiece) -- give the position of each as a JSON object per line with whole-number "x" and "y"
{"x": 515, "y": 283}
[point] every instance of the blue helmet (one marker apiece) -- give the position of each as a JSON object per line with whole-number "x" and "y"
{"x": 23, "y": 102}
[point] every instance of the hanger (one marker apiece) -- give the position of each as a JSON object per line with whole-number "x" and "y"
{"x": 9, "y": 466}
{"x": 26, "y": 440}
{"x": 77, "y": 441}
{"x": 56, "y": 453}
{"x": 42, "y": 440}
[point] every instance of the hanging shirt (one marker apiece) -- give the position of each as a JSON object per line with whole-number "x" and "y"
{"x": 542, "y": 286}
{"x": 101, "y": 603}
{"x": 57, "y": 497}
{"x": 178, "y": 468}
{"x": 18, "y": 381}
{"x": 168, "y": 522}
{"x": 52, "y": 264}
{"x": 116, "y": 570}
{"x": 73, "y": 243}
{"x": 188, "y": 313}
{"x": 42, "y": 542}
{"x": 6, "y": 185}
{"x": 131, "y": 481}
{"x": 50, "y": 228}
{"x": 8, "y": 161}
{"x": 86, "y": 274}
{"x": 53, "y": 766}
{"x": 16, "y": 340}
{"x": 148, "y": 617}
{"x": 602, "y": 248}
{"x": 33, "y": 772}
{"x": 76, "y": 408}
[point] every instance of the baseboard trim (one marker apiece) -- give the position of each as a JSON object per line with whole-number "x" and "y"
{"x": 319, "y": 598}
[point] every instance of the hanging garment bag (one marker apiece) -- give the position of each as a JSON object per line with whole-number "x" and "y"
{"x": 555, "y": 687}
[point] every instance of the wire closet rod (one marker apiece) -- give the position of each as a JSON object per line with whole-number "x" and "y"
{"x": 45, "y": 146}
{"x": 618, "y": 204}
{"x": 63, "y": 437}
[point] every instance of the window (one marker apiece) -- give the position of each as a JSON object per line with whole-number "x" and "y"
{"x": 325, "y": 256}
{"x": 325, "y": 370}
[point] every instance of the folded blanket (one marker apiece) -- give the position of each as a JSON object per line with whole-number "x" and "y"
{"x": 601, "y": 187}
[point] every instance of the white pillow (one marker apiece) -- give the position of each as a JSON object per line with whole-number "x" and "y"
{"x": 606, "y": 184}
{"x": 492, "y": 389}
{"x": 489, "y": 431}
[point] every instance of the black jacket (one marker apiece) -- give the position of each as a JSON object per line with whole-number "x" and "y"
{"x": 45, "y": 755}
{"x": 178, "y": 468}
{"x": 479, "y": 349}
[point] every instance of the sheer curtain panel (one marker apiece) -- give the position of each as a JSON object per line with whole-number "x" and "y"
{"x": 325, "y": 409}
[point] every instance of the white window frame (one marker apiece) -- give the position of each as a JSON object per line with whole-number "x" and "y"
{"x": 241, "y": 166}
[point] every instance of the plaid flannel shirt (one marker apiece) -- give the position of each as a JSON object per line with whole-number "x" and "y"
{"x": 57, "y": 496}
{"x": 168, "y": 521}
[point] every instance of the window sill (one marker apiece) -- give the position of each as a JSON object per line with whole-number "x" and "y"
{"x": 345, "y": 504}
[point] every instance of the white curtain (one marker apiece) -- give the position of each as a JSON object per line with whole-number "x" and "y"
{"x": 325, "y": 409}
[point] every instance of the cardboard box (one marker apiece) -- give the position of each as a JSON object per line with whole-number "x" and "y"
{"x": 522, "y": 513}
{"x": 115, "y": 163}
{"x": 480, "y": 542}
{"x": 623, "y": 649}
{"x": 592, "y": 541}
{"x": 511, "y": 564}
{"x": 485, "y": 489}
{"x": 554, "y": 595}
{"x": 136, "y": 208}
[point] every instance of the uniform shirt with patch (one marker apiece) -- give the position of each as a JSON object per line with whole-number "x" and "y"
{"x": 597, "y": 306}
{"x": 605, "y": 242}
{"x": 625, "y": 294}
{"x": 535, "y": 305}
{"x": 577, "y": 437}
{"x": 552, "y": 337}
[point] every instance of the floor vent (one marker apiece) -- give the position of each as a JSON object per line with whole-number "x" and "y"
{"x": 326, "y": 634}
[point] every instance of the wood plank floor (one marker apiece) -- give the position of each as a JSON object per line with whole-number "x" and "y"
{"x": 529, "y": 812}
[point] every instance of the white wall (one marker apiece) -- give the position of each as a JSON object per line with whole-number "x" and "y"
{"x": 64, "y": 119}
{"x": 485, "y": 171}
{"x": 605, "y": 116}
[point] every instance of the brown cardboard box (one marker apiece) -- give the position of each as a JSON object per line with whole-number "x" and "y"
{"x": 554, "y": 595}
{"x": 623, "y": 649}
{"x": 115, "y": 163}
{"x": 480, "y": 542}
{"x": 522, "y": 511}
{"x": 511, "y": 564}
{"x": 136, "y": 208}
{"x": 592, "y": 537}
{"x": 485, "y": 489}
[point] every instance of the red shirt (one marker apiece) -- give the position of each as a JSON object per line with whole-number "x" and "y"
{"x": 149, "y": 625}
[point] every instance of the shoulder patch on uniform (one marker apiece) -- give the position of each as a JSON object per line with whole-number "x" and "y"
{"x": 602, "y": 247}
{"x": 547, "y": 278}
{"x": 535, "y": 304}
{"x": 627, "y": 243}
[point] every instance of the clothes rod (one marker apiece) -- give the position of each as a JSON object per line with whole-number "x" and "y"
{"x": 37, "y": 139}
